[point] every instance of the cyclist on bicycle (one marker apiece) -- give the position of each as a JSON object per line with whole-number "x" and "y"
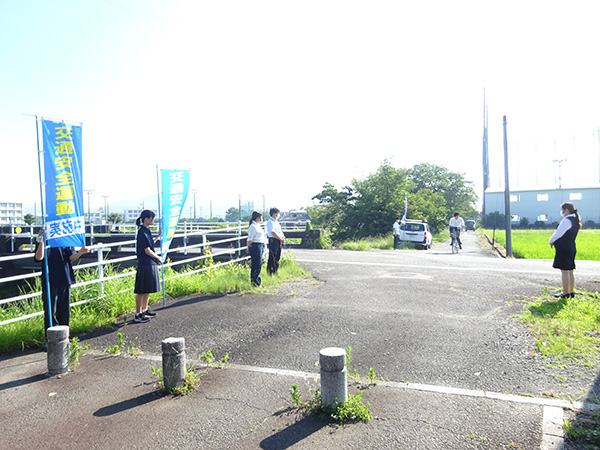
{"x": 456, "y": 224}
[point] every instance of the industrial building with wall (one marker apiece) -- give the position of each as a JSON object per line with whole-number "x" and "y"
{"x": 544, "y": 204}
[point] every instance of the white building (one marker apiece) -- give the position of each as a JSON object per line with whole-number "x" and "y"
{"x": 131, "y": 215}
{"x": 544, "y": 204}
{"x": 11, "y": 213}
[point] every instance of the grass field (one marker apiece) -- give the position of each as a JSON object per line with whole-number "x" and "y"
{"x": 533, "y": 244}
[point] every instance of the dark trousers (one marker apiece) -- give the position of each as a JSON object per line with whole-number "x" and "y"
{"x": 60, "y": 299}
{"x": 274, "y": 255}
{"x": 256, "y": 255}
{"x": 396, "y": 242}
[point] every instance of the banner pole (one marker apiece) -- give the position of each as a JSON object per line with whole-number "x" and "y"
{"x": 162, "y": 261}
{"x": 46, "y": 279}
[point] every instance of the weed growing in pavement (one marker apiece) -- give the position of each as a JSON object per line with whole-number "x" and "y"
{"x": 209, "y": 359}
{"x": 372, "y": 379}
{"x": 186, "y": 387}
{"x": 75, "y": 352}
{"x": 352, "y": 410}
{"x": 119, "y": 348}
{"x": 348, "y": 351}
{"x": 115, "y": 350}
{"x": 295, "y": 395}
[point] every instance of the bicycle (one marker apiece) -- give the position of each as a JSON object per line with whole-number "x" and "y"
{"x": 455, "y": 234}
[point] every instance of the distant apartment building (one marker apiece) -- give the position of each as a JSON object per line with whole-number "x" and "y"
{"x": 11, "y": 213}
{"x": 544, "y": 204}
{"x": 131, "y": 215}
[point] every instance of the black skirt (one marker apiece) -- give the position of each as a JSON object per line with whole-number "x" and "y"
{"x": 147, "y": 279}
{"x": 564, "y": 258}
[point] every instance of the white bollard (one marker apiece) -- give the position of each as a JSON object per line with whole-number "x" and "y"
{"x": 58, "y": 350}
{"x": 173, "y": 362}
{"x": 334, "y": 382}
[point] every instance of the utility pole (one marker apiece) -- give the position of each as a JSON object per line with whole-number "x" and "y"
{"x": 194, "y": 192}
{"x": 559, "y": 161}
{"x": 486, "y": 161}
{"x": 211, "y": 209}
{"x": 240, "y": 206}
{"x": 88, "y": 192}
{"x": 105, "y": 208}
{"x": 507, "y": 196}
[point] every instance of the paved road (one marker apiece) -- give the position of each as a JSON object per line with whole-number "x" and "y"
{"x": 438, "y": 327}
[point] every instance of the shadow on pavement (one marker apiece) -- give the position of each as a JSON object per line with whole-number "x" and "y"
{"x": 193, "y": 300}
{"x": 127, "y": 404}
{"x": 22, "y": 382}
{"x": 293, "y": 434}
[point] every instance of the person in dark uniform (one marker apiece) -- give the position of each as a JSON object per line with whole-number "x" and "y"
{"x": 563, "y": 241}
{"x": 147, "y": 278}
{"x": 276, "y": 241}
{"x": 61, "y": 279}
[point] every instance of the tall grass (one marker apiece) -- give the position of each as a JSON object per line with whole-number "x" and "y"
{"x": 533, "y": 244}
{"x": 370, "y": 243}
{"x": 119, "y": 299}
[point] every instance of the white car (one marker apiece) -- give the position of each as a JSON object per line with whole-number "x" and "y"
{"x": 417, "y": 232}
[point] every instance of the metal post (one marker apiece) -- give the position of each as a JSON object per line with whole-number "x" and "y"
{"x": 185, "y": 238}
{"x": 100, "y": 272}
{"x": 239, "y": 233}
{"x": 91, "y": 234}
{"x": 31, "y": 246}
{"x": 12, "y": 238}
{"x": 507, "y": 196}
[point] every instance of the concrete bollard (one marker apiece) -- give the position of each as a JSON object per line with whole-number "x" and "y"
{"x": 334, "y": 382}
{"x": 173, "y": 361}
{"x": 58, "y": 350}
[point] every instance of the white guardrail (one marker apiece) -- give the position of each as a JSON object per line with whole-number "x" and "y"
{"x": 226, "y": 229}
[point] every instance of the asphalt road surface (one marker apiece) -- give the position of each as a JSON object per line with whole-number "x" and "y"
{"x": 441, "y": 330}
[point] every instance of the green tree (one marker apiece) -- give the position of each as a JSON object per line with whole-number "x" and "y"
{"x": 29, "y": 219}
{"x": 115, "y": 218}
{"x": 458, "y": 193}
{"x": 369, "y": 206}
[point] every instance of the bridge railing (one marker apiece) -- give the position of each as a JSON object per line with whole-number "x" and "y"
{"x": 231, "y": 234}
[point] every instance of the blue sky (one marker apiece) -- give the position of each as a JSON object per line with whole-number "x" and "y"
{"x": 276, "y": 98}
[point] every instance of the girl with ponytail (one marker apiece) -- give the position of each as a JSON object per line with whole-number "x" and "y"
{"x": 147, "y": 278}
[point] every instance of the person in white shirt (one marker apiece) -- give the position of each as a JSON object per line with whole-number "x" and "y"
{"x": 396, "y": 231}
{"x": 456, "y": 225}
{"x": 276, "y": 240}
{"x": 563, "y": 241}
{"x": 256, "y": 247}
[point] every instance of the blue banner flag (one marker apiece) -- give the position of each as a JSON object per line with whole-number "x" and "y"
{"x": 405, "y": 208}
{"x": 65, "y": 222}
{"x": 175, "y": 185}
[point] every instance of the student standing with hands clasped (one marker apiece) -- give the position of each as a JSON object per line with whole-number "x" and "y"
{"x": 256, "y": 247}
{"x": 563, "y": 241}
{"x": 276, "y": 240}
{"x": 147, "y": 278}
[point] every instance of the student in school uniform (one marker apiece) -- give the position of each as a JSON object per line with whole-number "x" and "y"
{"x": 276, "y": 240}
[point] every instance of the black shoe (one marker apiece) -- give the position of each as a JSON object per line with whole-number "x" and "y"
{"x": 141, "y": 318}
{"x": 149, "y": 313}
